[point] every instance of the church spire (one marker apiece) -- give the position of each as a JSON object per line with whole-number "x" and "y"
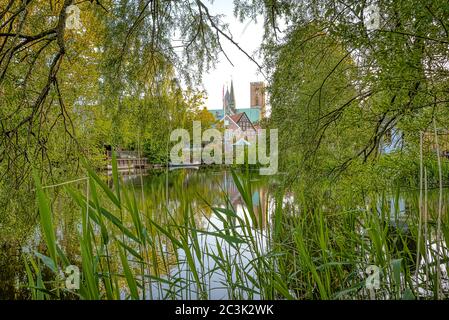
{"x": 229, "y": 100}
{"x": 226, "y": 102}
{"x": 232, "y": 98}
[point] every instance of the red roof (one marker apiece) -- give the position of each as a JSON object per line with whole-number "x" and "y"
{"x": 236, "y": 117}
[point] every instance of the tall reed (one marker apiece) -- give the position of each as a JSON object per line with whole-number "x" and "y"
{"x": 127, "y": 251}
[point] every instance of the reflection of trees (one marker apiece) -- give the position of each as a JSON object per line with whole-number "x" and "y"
{"x": 24, "y": 232}
{"x": 185, "y": 188}
{"x": 11, "y": 271}
{"x": 172, "y": 200}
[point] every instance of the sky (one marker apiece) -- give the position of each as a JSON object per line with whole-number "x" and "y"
{"x": 249, "y": 36}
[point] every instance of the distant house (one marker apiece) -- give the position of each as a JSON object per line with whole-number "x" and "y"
{"x": 241, "y": 125}
{"x": 239, "y": 121}
{"x": 240, "y": 131}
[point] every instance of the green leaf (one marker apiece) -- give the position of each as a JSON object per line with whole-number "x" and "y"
{"x": 45, "y": 215}
{"x": 47, "y": 261}
{"x": 408, "y": 295}
{"x": 132, "y": 285}
{"x": 102, "y": 185}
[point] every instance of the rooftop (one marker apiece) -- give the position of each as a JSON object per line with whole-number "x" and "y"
{"x": 253, "y": 114}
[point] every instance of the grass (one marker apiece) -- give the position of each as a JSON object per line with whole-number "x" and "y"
{"x": 128, "y": 251}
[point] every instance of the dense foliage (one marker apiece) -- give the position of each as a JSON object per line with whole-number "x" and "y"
{"x": 349, "y": 91}
{"x": 115, "y": 81}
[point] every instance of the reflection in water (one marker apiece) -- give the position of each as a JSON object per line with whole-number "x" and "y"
{"x": 403, "y": 209}
{"x": 201, "y": 191}
{"x": 11, "y": 271}
{"x": 191, "y": 194}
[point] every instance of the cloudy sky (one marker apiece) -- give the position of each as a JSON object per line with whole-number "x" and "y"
{"x": 248, "y": 36}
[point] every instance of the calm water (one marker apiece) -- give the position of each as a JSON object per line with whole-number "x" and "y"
{"x": 203, "y": 190}
{"x": 160, "y": 193}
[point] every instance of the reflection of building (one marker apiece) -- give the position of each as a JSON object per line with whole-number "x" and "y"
{"x": 259, "y": 200}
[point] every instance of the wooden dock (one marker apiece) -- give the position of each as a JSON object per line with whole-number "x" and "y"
{"x": 128, "y": 162}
